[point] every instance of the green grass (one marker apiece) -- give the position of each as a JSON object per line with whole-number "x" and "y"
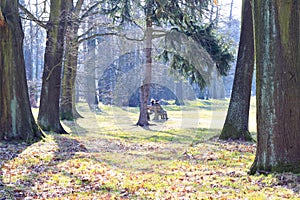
{"x": 108, "y": 157}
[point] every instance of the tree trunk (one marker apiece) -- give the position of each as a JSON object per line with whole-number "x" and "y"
{"x": 68, "y": 109}
{"x": 67, "y": 105}
{"x": 37, "y": 48}
{"x": 90, "y": 74}
{"x": 89, "y": 69}
{"x": 145, "y": 88}
{"x": 16, "y": 120}
{"x": 48, "y": 117}
{"x": 236, "y": 123}
{"x": 277, "y": 42}
{"x": 179, "y": 93}
{"x": 231, "y": 9}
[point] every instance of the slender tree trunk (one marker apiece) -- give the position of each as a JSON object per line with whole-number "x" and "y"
{"x": 28, "y": 51}
{"x": 89, "y": 70}
{"x": 67, "y": 106}
{"x": 30, "y": 67}
{"x": 145, "y": 88}
{"x": 48, "y": 117}
{"x": 179, "y": 93}
{"x": 16, "y": 120}
{"x": 211, "y": 14}
{"x": 230, "y": 13}
{"x": 37, "y": 48}
{"x": 277, "y": 43}
{"x": 236, "y": 123}
{"x": 68, "y": 109}
{"x": 90, "y": 74}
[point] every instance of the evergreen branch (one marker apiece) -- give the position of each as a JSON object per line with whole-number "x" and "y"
{"x": 133, "y": 21}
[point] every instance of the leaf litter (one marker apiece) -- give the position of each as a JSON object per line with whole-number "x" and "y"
{"x": 64, "y": 167}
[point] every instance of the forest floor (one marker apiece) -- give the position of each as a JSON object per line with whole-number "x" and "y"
{"x": 107, "y": 157}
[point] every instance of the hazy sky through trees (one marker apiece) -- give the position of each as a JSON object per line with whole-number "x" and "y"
{"x": 237, "y": 6}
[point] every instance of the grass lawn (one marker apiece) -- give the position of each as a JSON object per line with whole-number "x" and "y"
{"x": 107, "y": 157}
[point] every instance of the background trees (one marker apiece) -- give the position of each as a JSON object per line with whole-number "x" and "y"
{"x": 16, "y": 120}
{"x": 187, "y": 18}
{"x": 277, "y": 43}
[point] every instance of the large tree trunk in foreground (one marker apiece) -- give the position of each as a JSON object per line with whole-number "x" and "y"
{"x": 236, "y": 123}
{"x": 16, "y": 120}
{"x": 277, "y": 42}
{"x": 48, "y": 117}
{"x": 145, "y": 88}
{"x": 67, "y": 105}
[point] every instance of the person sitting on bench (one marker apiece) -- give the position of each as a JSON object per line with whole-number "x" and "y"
{"x": 157, "y": 110}
{"x": 163, "y": 114}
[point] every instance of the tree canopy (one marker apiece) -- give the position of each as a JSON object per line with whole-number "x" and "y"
{"x": 185, "y": 17}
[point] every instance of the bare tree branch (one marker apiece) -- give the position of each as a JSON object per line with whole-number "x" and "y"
{"x": 78, "y": 7}
{"x": 32, "y": 17}
{"x": 110, "y": 34}
{"x": 86, "y": 13}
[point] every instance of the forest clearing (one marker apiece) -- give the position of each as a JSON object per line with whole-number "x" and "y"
{"x": 107, "y": 157}
{"x": 81, "y": 80}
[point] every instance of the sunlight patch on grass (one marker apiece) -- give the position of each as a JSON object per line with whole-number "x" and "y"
{"x": 108, "y": 157}
{"x": 141, "y": 169}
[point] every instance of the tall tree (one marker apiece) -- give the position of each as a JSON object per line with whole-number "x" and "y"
{"x": 90, "y": 67}
{"x": 75, "y": 18}
{"x": 236, "y": 123}
{"x": 185, "y": 18}
{"x": 67, "y": 106}
{"x": 145, "y": 88}
{"x": 277, "y": 51}
{"x": 48, "y": 117}
{"x": 16, "y": 120}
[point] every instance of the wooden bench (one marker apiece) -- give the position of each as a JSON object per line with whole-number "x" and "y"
{"x": 158, "y": 112}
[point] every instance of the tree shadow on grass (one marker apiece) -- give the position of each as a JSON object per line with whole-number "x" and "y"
{"x": 8, "y": 152}
{"x": 68, "y": 151}
{"x": 67, "y": 148}
{"x": 24, "y": 170}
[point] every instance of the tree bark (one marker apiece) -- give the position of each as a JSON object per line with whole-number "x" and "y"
{"x": 145, "y": 88}
{"x": 236, "y": 123}
{"x": 89, "y": 69}
{"x": 48, "y": 117}
{"x": 16, "y": 119}
{"x": 67, "y": 105}
{"x": 277, "y": 42}
{"x": 179, "y": 93}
